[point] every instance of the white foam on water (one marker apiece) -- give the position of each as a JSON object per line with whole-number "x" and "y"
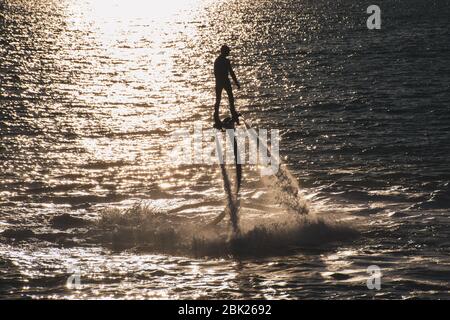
{"x": 146, "y": 229}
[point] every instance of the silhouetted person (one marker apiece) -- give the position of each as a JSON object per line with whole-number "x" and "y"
{"x": 222, "y": 67}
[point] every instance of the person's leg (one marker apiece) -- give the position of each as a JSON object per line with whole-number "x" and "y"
{"x": 219, "y": 89}
{"x": 229, "y": 91}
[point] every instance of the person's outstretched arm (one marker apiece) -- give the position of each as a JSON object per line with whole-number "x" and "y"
{"x": 233, "y": 75}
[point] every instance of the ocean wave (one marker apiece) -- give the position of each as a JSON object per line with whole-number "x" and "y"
{"x": 438, "y": 199}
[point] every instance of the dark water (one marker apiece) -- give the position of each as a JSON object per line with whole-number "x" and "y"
{"x": 90, "y": 92}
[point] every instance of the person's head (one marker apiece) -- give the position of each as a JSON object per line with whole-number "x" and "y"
{"x": 225, "y": 50}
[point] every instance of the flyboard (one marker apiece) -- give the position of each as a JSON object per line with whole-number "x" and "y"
{"x": 283, "y": 175}
{"x": 232, "y": 207}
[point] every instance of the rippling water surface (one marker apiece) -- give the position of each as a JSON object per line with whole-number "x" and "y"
{"x": 91, "y": 91}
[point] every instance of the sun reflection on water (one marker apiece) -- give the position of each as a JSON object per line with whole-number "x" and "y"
{"x": 93, "y": 91}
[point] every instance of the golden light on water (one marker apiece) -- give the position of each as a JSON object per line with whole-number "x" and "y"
{"x": 92, "y": 91}
{"x": 135, "y": 57}
{"x": 135, "y": 9}
{"x": 133, "y": 45}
